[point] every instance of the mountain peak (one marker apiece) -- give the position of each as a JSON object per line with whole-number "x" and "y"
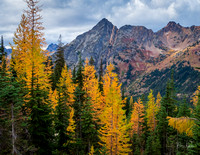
{"x": 103, "y": 22}
{"x": 173, "y": 25}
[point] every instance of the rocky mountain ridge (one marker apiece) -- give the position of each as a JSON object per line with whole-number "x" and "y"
{"x": 133, "y": 50}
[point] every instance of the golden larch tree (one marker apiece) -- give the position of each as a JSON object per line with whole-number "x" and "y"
{"x": 66, "y": 87}
{"x": 91, "y": 87}
{"x": 137, "y": 118}
{"x": 113, "y": 134}
{"x": 151, "y": 111}
{"x": 20, "y": 49}
{"x": 182, "y": 124}
{"x": 158, "y": 100}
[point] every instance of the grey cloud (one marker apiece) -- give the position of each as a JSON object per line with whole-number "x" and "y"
{"x": 73, "y": 17}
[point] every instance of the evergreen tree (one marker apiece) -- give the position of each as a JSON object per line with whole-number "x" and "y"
{"x": 152, "y": 145}
{"x": 162, "y": 129}
{"x": 3, "y": 56}
{"x": 12, "y": 138}
{"x": 183, "y": 109}
{"x": 59, "y": 62}
{"x": 65, "y": 100}
{"x": 91, "y": 62}
{"x": 195, "y": 149}
{"x": 167, "y": 135}
{"x": 78, "y": 106}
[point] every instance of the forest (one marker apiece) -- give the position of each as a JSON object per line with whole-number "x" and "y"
{"x": 47, "y": 108}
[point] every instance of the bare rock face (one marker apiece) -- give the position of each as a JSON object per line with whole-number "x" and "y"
{"x": 132, "y": 49}
{"x": 95, "y": 43}
{"x": 131, "y": 44}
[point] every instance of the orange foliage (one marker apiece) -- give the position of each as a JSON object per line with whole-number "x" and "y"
{"x": 113, "y": 134}
{"x": 137, "y": 118}
{"x": 66, "y": 87}
{"x": 90, "y": 86}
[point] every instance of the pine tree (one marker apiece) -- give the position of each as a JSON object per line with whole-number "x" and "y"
{"x": 91, "y": 62}
{"x": 152, "y": 145}
{"x": 65, "y": 99}
{"x": 3, "y": 56}
{"x": 196, "y": 129}
{"x": 162, "y": 129}
{"x": 184, "y": 109}
{"x": 78, "y": 106}
{"x": 59, "y": 62}
{"x": 168, "y": 136}
{"x": 12, "y": 140}
{"x": 113, "y": 134}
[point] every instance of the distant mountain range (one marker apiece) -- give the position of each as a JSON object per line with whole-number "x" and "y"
{"x": 143, "y": 58}
{"x": 51, "y": 48}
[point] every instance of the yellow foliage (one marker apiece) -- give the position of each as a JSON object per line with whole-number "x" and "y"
{"x": 195, "y": 96}
{"x": 113, "y": 134}
{"x": 137, "y": 118}
{"x": 53, "y": 97}
{"x": 90, "y": 86}
{"x": 28, "y": 58}
{"x": 152, "y": 110}
{"x": 66, "y": 86}
{"x": 131, "y": 102}
{"x": 182, "y": 124}
{"x": 91, "y": 150}
{"x": 158, "y": 100}
{"x": 71, "y": 126}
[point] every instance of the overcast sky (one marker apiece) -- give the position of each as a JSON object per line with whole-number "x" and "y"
{"x": 73, "y": 17}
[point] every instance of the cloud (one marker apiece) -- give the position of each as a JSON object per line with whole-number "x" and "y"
{"x": 155, "y": 14}
{"x": 73, "y": 17}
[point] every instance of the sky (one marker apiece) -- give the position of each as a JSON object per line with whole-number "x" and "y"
{"x": 71, "y": 18}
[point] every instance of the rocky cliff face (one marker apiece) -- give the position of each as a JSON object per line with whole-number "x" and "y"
{"x": 133, "y": 50}
{"x": 96, "y": 43}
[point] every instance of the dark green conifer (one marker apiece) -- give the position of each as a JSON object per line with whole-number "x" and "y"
{"x": 195, "y": 145}
{"x": 91, "y": 62}
{"x": 3, "y": 56}
{"x": 59, "y": 62}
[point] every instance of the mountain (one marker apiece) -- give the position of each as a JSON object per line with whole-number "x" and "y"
{"x": 52, "y": 48}
{"x": 138, "y": 52}
{"x": 8, "y": 50}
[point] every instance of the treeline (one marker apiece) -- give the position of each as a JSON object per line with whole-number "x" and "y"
{"x": 45, "y": 108}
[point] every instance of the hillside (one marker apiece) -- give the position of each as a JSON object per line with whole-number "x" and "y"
{"x": 138, "y": 53}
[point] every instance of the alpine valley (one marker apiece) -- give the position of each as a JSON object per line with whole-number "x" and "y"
{"x": 143, "y": 59}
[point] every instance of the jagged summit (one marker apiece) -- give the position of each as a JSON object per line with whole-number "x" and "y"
{"x": 172, "y": 26}
{"x": 103, "y": 23}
